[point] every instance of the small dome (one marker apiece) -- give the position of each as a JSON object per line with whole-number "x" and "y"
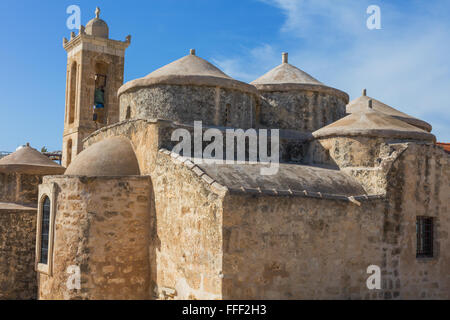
{"x": 361, "y": 104}
{"x": 112, "y": 157}
{"x": 27, "y": 159}
{"x": 372, "y": 123}
{"x": 189, "y": 70}
{"x": 287, "y": 77}
{"x": 97, "y": 27}
{"x": 286, "y": 73}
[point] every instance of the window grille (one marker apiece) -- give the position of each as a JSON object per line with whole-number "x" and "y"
{"x": 45, "y": 230}
{"x": 424, "y": 227}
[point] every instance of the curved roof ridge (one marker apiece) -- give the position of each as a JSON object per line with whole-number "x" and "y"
{"x": 206, "y": 173}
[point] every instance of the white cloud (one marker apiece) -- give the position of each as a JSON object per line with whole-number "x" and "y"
{"x": 405, "y": 64}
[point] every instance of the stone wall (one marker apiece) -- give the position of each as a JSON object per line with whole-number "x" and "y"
{"x": 19, "y": 187}
{"x": 186, "y": 104}
{"x": 305, "y": 111}
{"x": 418, "y": 185}
{"x": 188, "y": 242}
{"x": 368, "y": 159}
{"x": 17, "y": 252}
{"x": 299, "y": 248}
{"x": 102, "y": 225}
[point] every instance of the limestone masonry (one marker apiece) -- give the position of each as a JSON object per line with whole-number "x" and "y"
{"x": 359, "y": 184}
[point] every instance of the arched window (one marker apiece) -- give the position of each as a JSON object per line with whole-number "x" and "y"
{"x": 69, "y": 152}
{"x": 72, "y": 92}
{"x": 100, "y": 93}
{"x": 45, "y": 230}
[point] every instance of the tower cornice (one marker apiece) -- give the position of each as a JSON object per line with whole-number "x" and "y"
{"x": 95, "y": 43}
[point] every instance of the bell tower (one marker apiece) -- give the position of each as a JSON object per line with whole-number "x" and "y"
{"x": 95, "y": 70}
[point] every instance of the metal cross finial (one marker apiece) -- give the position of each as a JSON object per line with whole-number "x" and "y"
{"x": 97, "y": 12}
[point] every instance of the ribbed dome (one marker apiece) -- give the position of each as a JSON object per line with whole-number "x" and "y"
{"x": 369, "y": 122}
{"x": 29, "y": 160}
{"x": 189, "y": 70}
{"x": 112, "y": 157}
{"x": 361, "y": 104}
{"x": 97, "y": 27}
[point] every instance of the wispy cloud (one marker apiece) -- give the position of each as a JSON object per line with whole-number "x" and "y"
{"x": 405, "y": 64}
{"x": 251, "y": 64}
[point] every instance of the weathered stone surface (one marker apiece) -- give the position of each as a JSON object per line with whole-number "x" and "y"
{"x": 186, "y": 104}
{"x": 188, "y": 238}
{"x": 17, "y": 252}
{"x": 305, "y": 111}
{"x": 19, "y": 187}
{"x": 103, "y": 226}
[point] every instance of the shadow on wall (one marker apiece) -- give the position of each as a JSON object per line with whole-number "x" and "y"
{"x": 154, "y": 245}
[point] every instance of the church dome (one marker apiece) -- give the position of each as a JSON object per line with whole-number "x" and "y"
{"x": 112, "y": 157}
{"x": 361, "y": 104}
{"x": 286, "y": 73}
{"x": 187, "y": 90}
{"x": 189, "y": 70}
{"x": 287, "y": 77}
{"x": 29, "y": 160}
{"x": 372, "y": 123}
{"x": 97, "y": 27}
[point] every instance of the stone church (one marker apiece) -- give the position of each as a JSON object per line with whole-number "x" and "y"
{"x": 359, "y": 184}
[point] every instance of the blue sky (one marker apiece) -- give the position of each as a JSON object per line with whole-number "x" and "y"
{"x": 405, "y": 64}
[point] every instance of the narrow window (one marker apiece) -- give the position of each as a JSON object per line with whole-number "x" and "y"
{"x": 424, "y": 227}
{"x": 128, "y": 115}
{"x": 45, "y": 230}
{"x": 69, "y": 152}
{"x": 227, "y": 114}
{"x": 72, "y": 92}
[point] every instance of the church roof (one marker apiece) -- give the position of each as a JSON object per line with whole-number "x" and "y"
{"x": 445, "y": 146}
{"x": 287, "y": 77}
{"x": 286, "y": 73}
{"x": 290, "y": 180}
{"x": 369, "y": 122}
{"x": 361, "y": 104}
{"x": 189, "y": 70}
{"x": 97, "y": 27}
{"x": 29, "y": 160}
{"x": 112, "y": 157}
